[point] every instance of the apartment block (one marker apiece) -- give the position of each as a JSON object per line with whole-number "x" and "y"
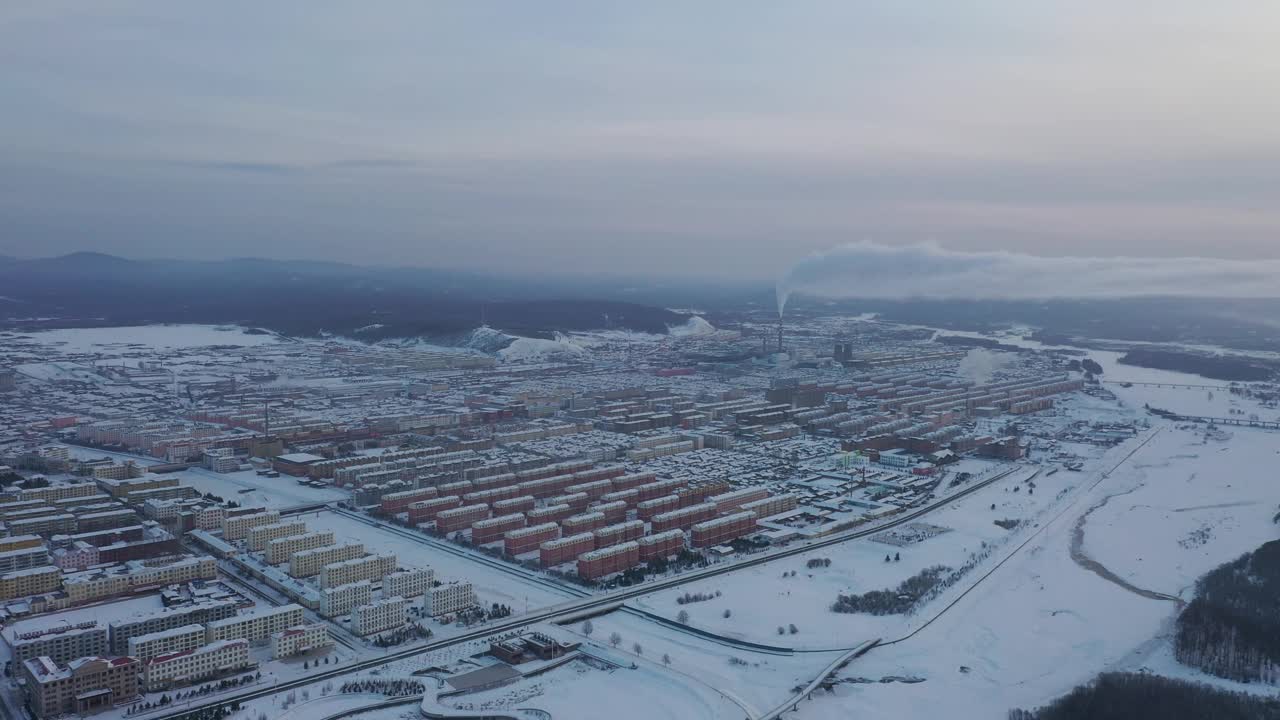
{"x": 255, "y": 625}
{"x": 94, "y": 584}
{"x": 408, "y": 583}
{"x": 343, "y": 599}
{"x": 32, "y": 581}
{"x": 59, "y": 524}
{"x": 663, "y": 544}
{"x": 300, "y": 639}
{"x": 379, "y": 616}
{"x": 372, "y": 568}
{"x": 20, "y": 542}
{"x": 279, "y": 551}
{"x": 607, "y": 561}
{"x": 237, "y": 527}
{"x": 722, "y": 530}
{"x": 258, "y": 537}
{"x": 23, "y": 559}
{"x": 83, "y": 686}
{"x": 168, "y": 619}
{"x": 448, "y": 598}
{"x": 309, "y": 562}
{"x": 62, "y": 644}
{"x": 218, "y": 658}
{"x": 187, "y": 637}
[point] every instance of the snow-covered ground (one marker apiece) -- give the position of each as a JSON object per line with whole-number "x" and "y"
{"x": 279, "y": 492}
{"x": 757, "y": 684}
{"x": 91, "y": 340}
{"x": 1042, "y": 623}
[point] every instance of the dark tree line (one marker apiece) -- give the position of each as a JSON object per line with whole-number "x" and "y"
{"x": 1129, "y": 696}
{"x": 1232, "y": 627}
{"x": 390, "y": 688}
{"x": 893, "y": 602}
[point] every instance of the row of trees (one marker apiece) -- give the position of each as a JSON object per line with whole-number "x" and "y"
{"x": 391, "y": 687}
{"x": 1132, "y": 696}
{"x": 1231, "y": 629}
{"x": 892, "y": 602}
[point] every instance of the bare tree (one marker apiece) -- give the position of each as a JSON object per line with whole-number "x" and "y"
{"x": 588, "y": 628}
{"x": 666, "y": 659}
{"x": 683, "y": 617}
{"x": 615, "y": 639}
{"x": 637, "y": 649}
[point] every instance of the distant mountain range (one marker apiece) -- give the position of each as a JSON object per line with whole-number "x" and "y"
{"x": 307, "y": 298}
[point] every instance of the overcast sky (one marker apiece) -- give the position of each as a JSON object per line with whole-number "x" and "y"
{"x": 719, "y": 138}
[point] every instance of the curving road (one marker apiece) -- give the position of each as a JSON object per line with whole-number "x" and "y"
{"x": 591, "y": 602}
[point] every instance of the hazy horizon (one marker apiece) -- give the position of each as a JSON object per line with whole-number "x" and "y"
{"x": 721, "y": 140}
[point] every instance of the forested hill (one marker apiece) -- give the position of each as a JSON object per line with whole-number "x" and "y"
{"x": 1232, "y": 627}
{"x": 305, "y": 298}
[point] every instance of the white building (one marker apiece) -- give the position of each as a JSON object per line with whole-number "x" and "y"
{"x": 236, "y": 528}
{"x": 408, "y": 583}
{"x": 165, "y": 642}
{"x": 373, "y": 568}
{"x": 309, "y": 562}
{"x": 255, "y": 625}
{"x": 259, "y": 536}
{"x": 279, "y": 551}
{"x": 190, "y": 666}
{"x": 300, "y": 639}
{"x": 343, "y": 599}
{"x": 448, "y": 598}
{"x": 382, "y": 615}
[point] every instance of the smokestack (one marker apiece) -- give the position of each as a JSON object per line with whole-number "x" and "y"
{"x": 779, "y": 333}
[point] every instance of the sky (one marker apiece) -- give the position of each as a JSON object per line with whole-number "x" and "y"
{"x": 722, "y": 138}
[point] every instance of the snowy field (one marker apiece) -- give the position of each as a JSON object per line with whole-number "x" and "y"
{"x": 749, "y": 689}
{"x": 159, "y": 337}
{"x": 566, "y": 691}
{"x": 760, "y": 599}
{"x": 1043, "y": 623}
{"x": 491, "y": 584}
{"x": 280, "y": 492}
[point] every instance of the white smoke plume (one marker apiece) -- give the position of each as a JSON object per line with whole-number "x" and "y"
{"x": 981, "y": 365}
{"x": 872, "y": 270}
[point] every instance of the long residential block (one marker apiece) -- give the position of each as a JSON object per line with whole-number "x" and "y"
{"x": 309, "y": 562}
{"x": 279, "y": 551}
{"x": 256, "y": 625}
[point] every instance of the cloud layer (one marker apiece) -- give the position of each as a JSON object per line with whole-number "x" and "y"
{"x": 871, "y": 270}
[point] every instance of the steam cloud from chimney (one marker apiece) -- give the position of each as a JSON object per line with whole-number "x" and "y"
{"x": 872, "y": 270}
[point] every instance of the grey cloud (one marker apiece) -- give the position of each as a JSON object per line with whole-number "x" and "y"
{"x": 871, "y": 270}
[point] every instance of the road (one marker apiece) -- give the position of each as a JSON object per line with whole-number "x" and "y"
{"x": 590, "y": 602}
